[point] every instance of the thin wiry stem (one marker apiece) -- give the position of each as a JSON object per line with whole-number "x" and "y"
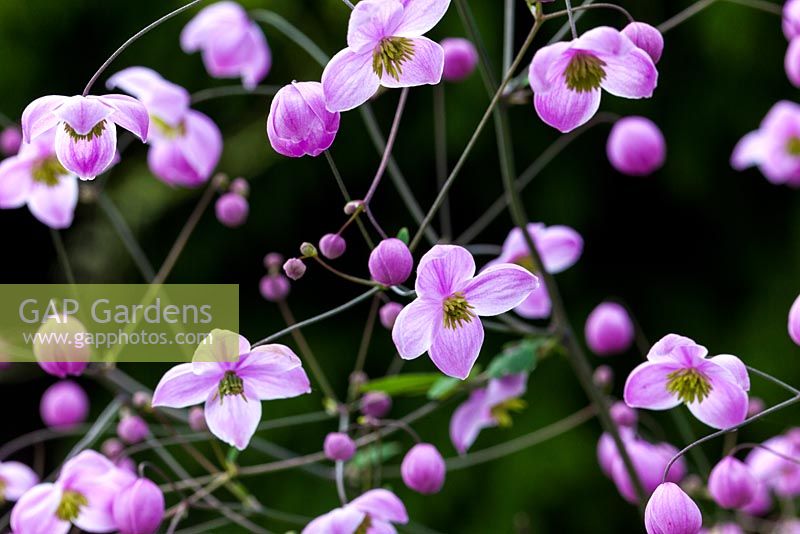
{"x": 440, "y": 146}
{"x": 104, "y": 420}
{"x": 569, "y": 12}
{"x": 508, "y": 34}
{"x": 347, "y": 198}
{"x": 566, "y": 27}
{"x": 63, "y": 258}
{"x": 133, "y": 39}
{"x": 126, "y": 236}
{"x": 572, "y": 27}
{"x": 349, "y": 4}
{"x": 398, "y": 115}
{"x": 363, "y": 347}
{"x": 694, "y": 9}
{"x": 745, "y": 446}
{"x": 232, "y": 90}
{"x": 781, "y": 383}
{"x": 340, "y": 489}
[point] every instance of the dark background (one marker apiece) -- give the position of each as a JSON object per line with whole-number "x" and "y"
{"x": 696, "y": 249}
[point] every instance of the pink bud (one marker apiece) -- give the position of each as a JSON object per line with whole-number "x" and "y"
{"x": 64, "y": 405}
{"x": 240, "y": 186}
{"x": 609, "y": 329}
{"x": 339, "y": 447}
{"x": 388, "y": 314}
{"x": 10, "y": 141}
{"x": 423, "y": 469}
{"x": 142, "y": 399}
{"x": 299, "y": 124}
{"x": 112, "y": 448}
{"x": 376, "y": 404}
{"x": 732, "y": 483}
{"x": 603, "y": 377}
{"x": 794, "y": 321}
{"x": 132, "y": 429}
{"x": 636, "y": 146}
{"x": 332, "y": 246}
{"x": 671, "y": 511}
{"x": 197, "y": 419}
{"x": 755, "y": 406}
{"x": 647, "y": 38}
{"x": 274, "y": 287}
{"x": 139, "y": 509}
{"x": 232, "y": 209}
{"x": 273, "y": 260}
{"x": 460, "y": 58}
{"x": 623, "y": 415}
{"x": 294, "y": 268}
{"x": 390, "y": 263}
{"x": 351, "y": 207}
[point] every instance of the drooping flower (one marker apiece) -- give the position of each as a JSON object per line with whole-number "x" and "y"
{"x": 444, "y": 320}
{"x": 64, "y": 405}
{"x": 232, "y": 379}
{"x": 777, "y": 473}
{"x": 36, "y": 178}
{"x": 132, "y": 429}
{"x": 774, "y": 147}
{"x": 559, "y": 248}
{"x": 82, "y": 495}
{"x": 636, "y": 146}
{"x": 486, "y": 408}
{"x": 567, "y": 77}
{"x": 677, "y": 371}
{"x": 671, "y": 511}
{"x": 299, "y": 124}
{"x": 185, "y": 145}
{"x": 647, "y": 38}
{"x": 390, "y": 262}
{"x": 423, "y": 469}
{"x": 371, "y": 513}
{"x": 338, "y": 446}
{"x": 385, "y": 47}
{"x": 10, "y": 140}
{"x": 139, "y": 508}
{"x": 86, "y": 128}
{"x": 460, "y": 58}
{"x": 15, "y": 479}
{"x": 232, "y": 45}
{"x": 732, "y": 484}
{"x": 609, "y": 329}
{"x": 375, "y": 404}
{"x": 232, "y": 209}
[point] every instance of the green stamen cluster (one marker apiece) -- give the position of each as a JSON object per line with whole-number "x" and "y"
{"x": 364, "y": 526}
{"x": 70, "y": 506}
{"x": 502, "y": 412}
{"x": 96, "y": 131}
{"x": 390, "y": 54}
{"x": 793, "y": 146}
{"x": 689, "y": 384}
{"x": 584, "y": 73}
{"x": 230, "y": 385}
{"x": 49, "y": 172}
{"x": 526, "y": 262}
{"x": 457, "y": 310}
{"x": 165, "y": 129}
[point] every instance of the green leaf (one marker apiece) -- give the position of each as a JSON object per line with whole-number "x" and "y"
{"x": 443, "y": 388}
{"x": 518, "y": 358}
{"x": 407, "y": 384}
{"x": 403, "y": 235}
{"x": 374, "y": 454}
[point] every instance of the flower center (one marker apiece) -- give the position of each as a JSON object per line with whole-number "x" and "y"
{"x": 390, "y": 54}
{"x": 689, "y": 384}
{"x": 526, "y": 262}
{"x": 793, "y": 146}
{"x": 584, "y": 72}
{"x": 96, "y": 131}
{"x": 230, "y": 384}
{"x": 165, "y": 129}
{"x": 457, "y": 310}
{"x": 70, "y": 505}
{"x": 502, "y": 412}
{"x": 364, "y": 526}
{"x": 48, "y": 172}
{"x": 2, "y": 491}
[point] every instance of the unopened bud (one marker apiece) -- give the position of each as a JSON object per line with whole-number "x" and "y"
{"x": 294, "y": 268}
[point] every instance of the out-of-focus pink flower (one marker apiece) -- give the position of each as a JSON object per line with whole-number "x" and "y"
{"x": 339, "y": 447}
{"x": 777, "y": 473}
{"x": 15, "y": 479}
{"x": 755, "y": 406}
{"x": 671, "y": 511}
{"x": 794, "y": 320}
{"x": 732, "y": 484}
{"x": 373, "y": 512}
{"x": 10, "y": 140}
{"x": 647, "y": 38}
{"x": 197, "y": 419}
{"x": 391, "y": 263}
{"x": 388, "y": 314}
{"x": 609, "y": 329}
{"x": 232, "y": 209}
{"x": 623, "y": 415}
{"x": 791, "y": 19}
{"x": 132, "y": 429}
{"x": 232, "y": 45}
{"x": 57, "y": 347}
{"x": 423, "y": 469}
{"x": 64, "y": 405}
{"x": 294, "y": 268}
{"x": 603, "y": 377}
{"x": 375, "y": 404}
{"x": 299, "y": 124}
{"x": 139, "y": 508}
{"x": 460, "y": 58}
{"x": 636, "y": 146}
{"x": 274, "y": 287}
{"x": 775, "y": 147}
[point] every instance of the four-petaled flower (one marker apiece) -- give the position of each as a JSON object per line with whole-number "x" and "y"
{"x": 385, "y": 47}
{"x": 443, "y": 320}
{"x": 232, "y": 379}
{"x": 371, "y": 513}
{"x": 677, "y": 371}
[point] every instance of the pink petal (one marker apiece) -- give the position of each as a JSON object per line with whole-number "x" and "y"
{"x": 201, "y": 144}
{"x": 547, "y": 68}
{"x": 166, "y": 100}
{"x": 420, "y": 16}
{"x": 348, "y": 80}
{"x": 499, "y": 289}
{"x": 38, "y": 116}
{"x": 273, "y": 372}
{"x": 736, "y": 367}
{"x": 667, "y": 344}
{"x": 211, "y": 22}
{"x": 630, "y": 76}
{"x": 87, "y": 157}
{"x": 338, "y": 521}
{"x": 750, "y": 150}
{"x": 726, "y": 404}
{"x": 536, "y": 306}
{"x": 559, "y": 246}
{"x": 564, "y": 109}
{"x": 442, "y": 269}
{"x": 425, "y": 68}
{"x": 223, "y": 352}
{"x": 454, "y": 350}
{"x": 646, "y": 386}
{"x": 671, "y": 511}
{"x": 15, "y": 181}
{"x": 414, "y": 327}
{"x": 35, "y": 512}
{"x": 371, "y": 21}
{"x": 129, "y": 113}
{"x": 469, "y": 419}
{"x": 257, "y": 60}
{"x": 233, "y": 419}
{"x": 381, "y": 504}
{"x": 55, "y": 205}
{"x": 100, "y": 492}
{"x": 508, "y": 387}
{"x": 83, "y": 113}
{"x": 792, "y": 62}
{"x": 181, "y": 387}
{"x": 167, "y": 161}
{"x": 17, "y": 478}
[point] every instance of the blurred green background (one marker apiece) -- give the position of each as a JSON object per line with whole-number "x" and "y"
{"x": 696, "y": 249}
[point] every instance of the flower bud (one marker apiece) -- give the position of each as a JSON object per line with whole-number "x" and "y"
{"x": 308, "y": 250}
{"x": 299, "y": 124}
{"x": 142, "y": 399}
{"x": 732, "y": 483}
{"x": 132, "y": 429}
{"x": 647, "y": 38}
{"x": 126, "y": 464}
{"x": 273, "y": 260}
{"x": 603, "y": 377}
{"x": 274, "y": 287}
{"x": 339, "y": 447}
{"x": 332, "y": 246}
{"x": 294, "y": 268}
{"x": 231, "y": 209}
{"x": 390, "y": 263}
{"x": 609, "y": 329}
{"x": 636, "y": 146}
{"x": 10, "y": 141}
{"x": 64, "y": 405}
{"x": 623, "y": 415}
{"x": 755, "y": 405}
{"x": 352, "y": 206}
{"x": 376, "y": 404}
{"x": 671, "y": 511}
{"x": 794, "y": 321}
{"x": 761, "y": 503}
{"x": 423, "y": 469}
{"x": 388, "y": 314}
{"x": 197, "y": 419}
{"x": 139, "y": 508}
{"x": 112, "y": 448}
{"x": 240, "y": 186}
{"x": 55, "y": 348}
{"x": 460, "y": 58}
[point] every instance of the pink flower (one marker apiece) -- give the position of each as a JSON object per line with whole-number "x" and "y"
{"x": 774, "y": 147}
{"x": 732, "y": 483}
{"x": 609, "y": 329}
{"x": 139, "y": 508}
{"x": 385, "y": 47}
{"x": 15, "y": 479}
{"x": 10, "y": 140}
{"x": 185, "y": 145}
{"x": 299, "y": 124}
{"x": 36, "y": 178}
{"x": 444, "y": 319}
{"x": 64, "y": 405}
{"x": 486, "y": 408}
{"x": 567, "y": 77}
{"x": 779, "y": 474}
{"x": 671, "y": 511}
{"x": 82, "y": 496}
{"x": 636, "y": 146}
{"x": 390, "y": 263}
{"x": 232, "y": 209}
{"x": 791, "y": 19}
{"x": 423, "y": 469}
{"x": 647, "y": 38}
{"x": 86, "y": 133}
{"x": 232, "y": 379}
{"x": 372, "y": 513}
{"x": 232, "y": 45}
{"x": 559, "y": 248}
{"x": 677, "y": 371}
{"x": 274, "y": 287}
{"x": 460, "y": 58}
